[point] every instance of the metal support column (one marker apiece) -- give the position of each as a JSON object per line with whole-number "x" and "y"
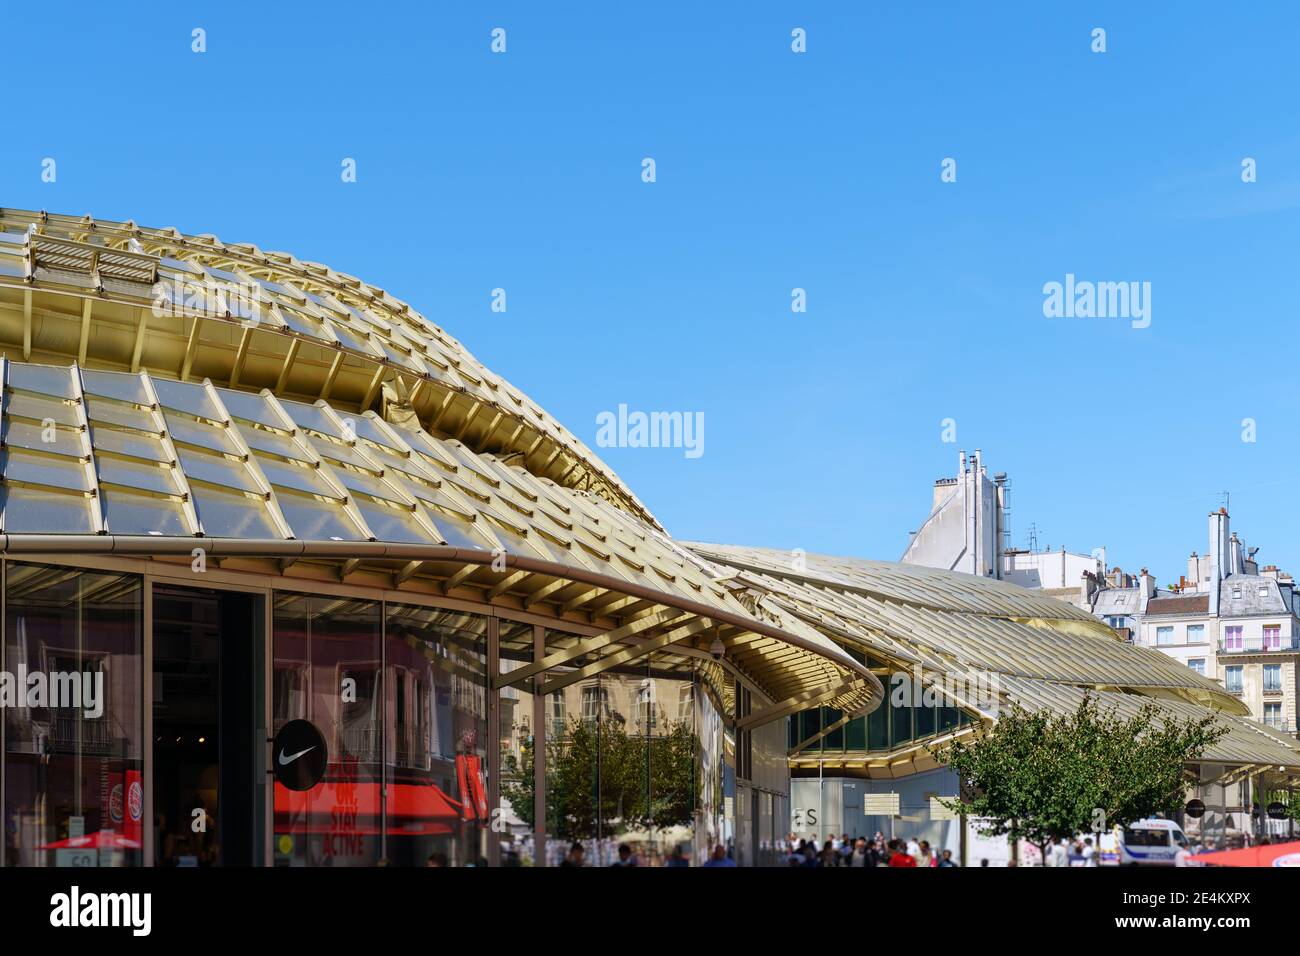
{"x": 539, "y": 752}
{"x": 494, "y": 744}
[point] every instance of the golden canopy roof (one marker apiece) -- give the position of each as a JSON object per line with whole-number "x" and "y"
{"x": 1045, "y": 653}
{"x": 121, "y": 296}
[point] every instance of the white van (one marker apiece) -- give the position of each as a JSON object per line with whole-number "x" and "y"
{"x": 1151, "y": 842}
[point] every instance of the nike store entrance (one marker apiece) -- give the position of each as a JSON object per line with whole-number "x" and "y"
{"x": 207, "y": 795}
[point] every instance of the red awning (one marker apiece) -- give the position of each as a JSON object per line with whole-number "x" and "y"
{"x": 99, "y": 840}
{"x": 360, "y": 802}
{"x": 1273, "y": 854}
{"x": 369, "y": 829}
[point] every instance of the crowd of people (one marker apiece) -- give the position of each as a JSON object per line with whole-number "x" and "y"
{"x": 861, "y": 852}
{"x": 911, "y": 853}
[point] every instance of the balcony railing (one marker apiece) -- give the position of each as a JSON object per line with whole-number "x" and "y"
{"x": 360, "y": 741}
{"x": 1257, "y": 645}
{"x": 73, "y": 735}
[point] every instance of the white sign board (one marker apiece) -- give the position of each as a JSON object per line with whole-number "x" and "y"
{"x": 939, "y": 812}
{"x": 880, "y": 804}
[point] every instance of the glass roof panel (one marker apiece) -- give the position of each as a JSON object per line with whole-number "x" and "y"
{"x": 302, "y": 323}
{"x": 119, "y": 385}
{"x": 28, "y": 510}
{"x": 216, "y": 470}
{"x": 314, "y": 520}
{"x": 203, "y": 434}
{"x": 181, "y": 266}
{"x": 252, "y": 408}
{"x": 284, "y": 475}
{"x": 19, "y": 465}
{"x": 30, "y": 435}
{"x": 337, "y": 452}
{"x": 38, "y": 408}
{"x": 398, "y": 357}
{"x": 365, "y": 427}
{"x": 366, "y": 485}
{"x": 353, "y": 339}
{"x": 457, "y": 533}
{"x": 135, "y": 474}
{"x": 186, "y": 397}
{"x": 225, "y": 514}
{"x": 512, "y": 542}
{"x": 407, "y": 466}
{"x": 46, "y": 379}
{"x": 391, "y": 524}
{"x": 259, "y": 439}
{"x": 309, "y": 416}
{"x": 127, "y": 513}
{"x": 128, "y": 443}
{"x": 101, "y": 410}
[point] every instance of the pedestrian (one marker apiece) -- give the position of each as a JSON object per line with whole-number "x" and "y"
{"x": 900, "y": 857}
{"x": 947, "y": 860}
{"x": 926, "y": 855}
{"x": 575, "y": 857}
{"x": 1089, "y": 852}
{"x": 1059, "y": 855}
{"x": 846, "y": 849}
{"x": 720, "y": 858}
{"x": 625, "y": 857}
{"x": 862, "y": 856}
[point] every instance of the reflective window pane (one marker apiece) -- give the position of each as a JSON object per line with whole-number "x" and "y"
{"x": 327, "y": 670}
{"x": 74, "y": 742}
{"x": 436, "y": 756}
{"x": 516, "y": 747}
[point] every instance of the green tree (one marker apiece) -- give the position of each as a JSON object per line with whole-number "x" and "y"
{"x": 1040, "y": 776}
{"x": 598, "y": 776}
{"x": 672, "y": 770}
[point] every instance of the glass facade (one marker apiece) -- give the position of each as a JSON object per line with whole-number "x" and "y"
{"x": 619, "y": 760}
{"x": 327, "y": 667}
{"x": 895, "y": 723}
{"x": 643, "y": 753}
{"x": 72, "y": 692}
{"x": 517, "y": 710}
{"x": 436, "y": 736}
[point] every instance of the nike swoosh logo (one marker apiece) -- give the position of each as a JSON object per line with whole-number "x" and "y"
{"x": 285, "y": 761}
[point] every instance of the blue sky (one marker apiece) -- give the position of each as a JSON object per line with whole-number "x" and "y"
{"x": 774, "y": 171}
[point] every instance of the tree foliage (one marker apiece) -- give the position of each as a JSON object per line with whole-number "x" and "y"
{"x": 598, "y": 773}
{"x": 1040, "y": 776}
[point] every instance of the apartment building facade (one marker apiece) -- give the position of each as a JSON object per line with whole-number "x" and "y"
{"x": 1233, "y": 621}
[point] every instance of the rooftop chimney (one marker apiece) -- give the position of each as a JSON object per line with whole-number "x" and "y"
{"x": 1236, "y": 559}
{"x": 1087, "y": 587}
{"x": 1147, "y": 589}
{"x": 1219, "y": 556}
